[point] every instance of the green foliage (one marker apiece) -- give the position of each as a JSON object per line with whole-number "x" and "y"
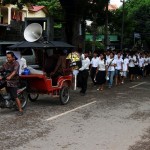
{"x": 98, "y": 46}
{"x": 54, "y": 8}
{"x": 96, "y": 8}
{"x": 137, "y": 19}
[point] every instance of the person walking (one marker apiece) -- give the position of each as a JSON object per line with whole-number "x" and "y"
{"x": 94, "y": 64}
{"x": 141, "y": 66}
{"x": 111, "y": 64}
{"x": 132, "y": 61}
{"x": 146, "y": 60}
{"x": 83, "y": 74}
{"x": 101, "y": 73}
{"x": 125, "y": 67}
{"x": 118, "y": 68}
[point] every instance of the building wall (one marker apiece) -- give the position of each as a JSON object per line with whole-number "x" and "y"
{"x": 14, "y": 32}
{"x": 39, "y": 14}
{"x": 7, "y": 17}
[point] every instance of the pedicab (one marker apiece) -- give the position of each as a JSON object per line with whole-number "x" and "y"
{"x": 40, "y": 83}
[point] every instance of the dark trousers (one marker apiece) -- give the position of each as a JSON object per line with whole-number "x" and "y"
{"x": 93, "y": 73}
{"x": 82, "y": 80}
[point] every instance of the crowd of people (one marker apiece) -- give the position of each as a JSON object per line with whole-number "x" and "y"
{"x": 107, "y": 68}
{"x": 111, "y": 68}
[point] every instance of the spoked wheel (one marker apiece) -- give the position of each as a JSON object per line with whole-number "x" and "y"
{"x": 23, "y": 97}
{"x": 33, "y": 97}
{"x": 64, "y": 95}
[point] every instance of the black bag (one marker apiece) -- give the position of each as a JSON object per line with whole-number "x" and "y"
{"x": 76, "y": 63}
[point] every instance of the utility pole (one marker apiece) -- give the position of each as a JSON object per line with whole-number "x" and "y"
{"x": 106, "y": 26}
{"x": 122, "y": 28}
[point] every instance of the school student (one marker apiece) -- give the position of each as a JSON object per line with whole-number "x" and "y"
{"x": 94, "y": 64}
{"x": 118, "y": 68}
{"x": 101, "y": 73}
{"x": 141, "y": 66}
{"x": 125, "y": 67}
{"x": 132, "y": 60}
{"x": 83, "y": 74}
{"x": 111, "y": 64}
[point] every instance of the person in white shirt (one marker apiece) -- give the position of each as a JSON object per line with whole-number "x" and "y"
{"x": 137, "y": 68}
{"x": 94, "y": 64}
{"x": 141, "y": 66}
{"x": 146, "y": 60}
{"x": 118, "y": 68}
{"x": 101, "y": 72}
{"x": 111, "y": 64}
{"x": 148, "y": 64}
{"x": 115, "y": 54}
{"x": 132, "y": 61}
{"x": 83, "y": 74}
{"x": 125, "y": 67}
{"x": 107, "y": 54}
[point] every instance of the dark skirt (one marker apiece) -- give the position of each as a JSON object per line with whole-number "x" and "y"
{"x": 137, "y": 70}
{"x": 101, "y": 77}
{"x": 131, "y": 70}
{"x": 141, "y": 72}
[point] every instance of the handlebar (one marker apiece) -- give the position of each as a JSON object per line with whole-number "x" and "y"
{"x": 4, "y": 74}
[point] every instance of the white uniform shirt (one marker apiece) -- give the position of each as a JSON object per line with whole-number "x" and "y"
{"x": 107, "y": 57}
{"x": 85, "y": 64}
{"x": 119, "y": 62}
{"x": 110, "y": 62}
{"x": 146, "y": 61}
{"x": 115, "y": 56}
{"x": 132, "y": 60}
{"x": 125, "y": 64}
{"x": 141, "y": 62}
{"x": 101, "y": 65}
{"x": 94, "y": 62}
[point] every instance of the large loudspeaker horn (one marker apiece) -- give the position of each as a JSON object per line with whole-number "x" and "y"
{"x": 33, "y": 32}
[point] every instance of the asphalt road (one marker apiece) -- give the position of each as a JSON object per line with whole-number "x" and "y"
{"x": 115, "y": 119}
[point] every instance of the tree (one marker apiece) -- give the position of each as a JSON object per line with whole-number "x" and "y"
{"x": 76, "y": 12}
{"x": 137, "y": 19}
{"x": 54, "y": 7}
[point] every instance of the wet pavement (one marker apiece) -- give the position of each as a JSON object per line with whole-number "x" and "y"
{"x": 115, "y": 119}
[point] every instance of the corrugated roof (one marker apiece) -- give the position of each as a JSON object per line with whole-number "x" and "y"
{"x": 36, "y": 8}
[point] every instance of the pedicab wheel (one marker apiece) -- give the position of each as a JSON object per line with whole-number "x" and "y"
{"x": 33, "y": 97}
{"x": 64, "y": 95}
{"x": 23, "y": 97}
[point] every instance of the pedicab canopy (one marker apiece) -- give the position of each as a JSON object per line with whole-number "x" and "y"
{"x": 39, "y": 44}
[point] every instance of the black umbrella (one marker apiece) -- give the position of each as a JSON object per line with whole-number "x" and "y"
{"x": 39, "y": 44}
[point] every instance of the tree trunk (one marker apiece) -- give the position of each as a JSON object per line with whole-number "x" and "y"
{"x": 72, "y": 31}
{"x": 106, "y": 27}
